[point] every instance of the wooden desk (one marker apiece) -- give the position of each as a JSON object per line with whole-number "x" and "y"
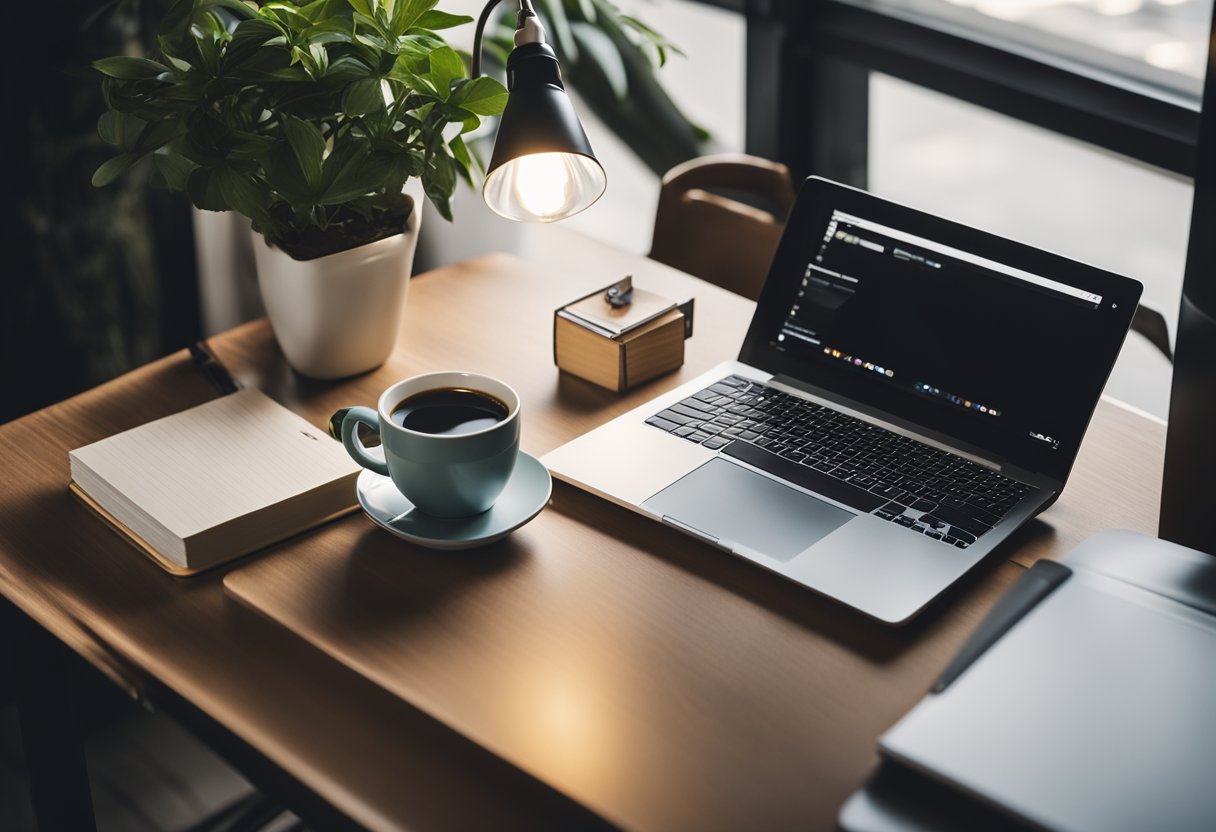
{"x": 702, "y": 738}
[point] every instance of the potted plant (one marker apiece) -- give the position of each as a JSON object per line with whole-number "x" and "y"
{"x": 310, "y": 119}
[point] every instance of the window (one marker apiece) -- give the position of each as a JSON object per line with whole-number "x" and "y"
{"x": 1158, "y": 43}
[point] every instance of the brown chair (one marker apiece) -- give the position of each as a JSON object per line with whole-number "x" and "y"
{"x": 720, "y": 218}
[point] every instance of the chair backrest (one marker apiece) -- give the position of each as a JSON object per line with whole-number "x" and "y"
{"x": 720, "y": 218}
{"x": 1151, "y": 324}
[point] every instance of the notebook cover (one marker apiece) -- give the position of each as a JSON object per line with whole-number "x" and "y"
{"x": 173, "y": 568}
{"x": 241, "y": 461}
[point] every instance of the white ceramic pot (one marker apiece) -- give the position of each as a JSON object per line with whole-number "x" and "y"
{"x": 338, "y": 315}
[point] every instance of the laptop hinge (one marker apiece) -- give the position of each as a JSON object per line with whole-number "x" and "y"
{"x": 791, "y": 385}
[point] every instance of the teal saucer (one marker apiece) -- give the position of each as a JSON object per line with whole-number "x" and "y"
{"x": 526, "y": 494}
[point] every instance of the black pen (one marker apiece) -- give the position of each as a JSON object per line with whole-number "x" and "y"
{"x": 210, "y": 366}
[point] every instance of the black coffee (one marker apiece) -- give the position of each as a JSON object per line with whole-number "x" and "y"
{"x": 449, "y": 412}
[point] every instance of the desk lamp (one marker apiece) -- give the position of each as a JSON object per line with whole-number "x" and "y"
{"x": 542, "y": 168}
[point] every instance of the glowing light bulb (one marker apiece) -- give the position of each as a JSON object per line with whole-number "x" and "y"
{"x": 543, "y": 184}
{"x": 544, "y": 187}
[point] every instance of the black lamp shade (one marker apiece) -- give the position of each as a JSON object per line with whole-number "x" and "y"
{"x": 542, "y": 168}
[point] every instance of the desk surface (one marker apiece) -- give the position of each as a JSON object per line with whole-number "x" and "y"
{"x": 680, "y": 688}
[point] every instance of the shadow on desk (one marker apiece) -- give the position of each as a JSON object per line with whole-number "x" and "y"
{"x": 575, "y": 394}
{"x": 388, "y": 583}
{"x": 877, "y": 642}
{"x": 572, "y": 393}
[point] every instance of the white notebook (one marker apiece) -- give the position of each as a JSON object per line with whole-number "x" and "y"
{"x": 217, "y": 481}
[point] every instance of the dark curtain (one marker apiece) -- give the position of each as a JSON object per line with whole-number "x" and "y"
{"x": 95, "y": 281}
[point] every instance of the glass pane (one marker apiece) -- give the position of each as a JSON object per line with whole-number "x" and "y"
{"x": 1161, "y": 43}
{"x": 1010, "y": 178}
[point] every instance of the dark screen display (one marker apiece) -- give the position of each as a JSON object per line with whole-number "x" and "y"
{"x": 936, "y": 329}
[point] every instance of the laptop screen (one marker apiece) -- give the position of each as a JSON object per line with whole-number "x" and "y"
{"x": 988, "y": 342}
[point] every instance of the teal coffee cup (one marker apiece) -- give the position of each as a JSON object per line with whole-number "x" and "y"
{"x": 450, "y": 440}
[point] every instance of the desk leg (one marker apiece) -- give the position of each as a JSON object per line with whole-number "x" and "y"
{"x": 50, "y": 728}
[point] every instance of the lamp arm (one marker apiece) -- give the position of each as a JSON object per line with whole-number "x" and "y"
{"x": 527, "y": 30}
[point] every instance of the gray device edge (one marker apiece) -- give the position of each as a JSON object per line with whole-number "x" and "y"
{"x": 1039, "y": 582}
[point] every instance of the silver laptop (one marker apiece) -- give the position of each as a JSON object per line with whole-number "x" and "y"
{"x": 1083, "y": 702}
{"x": 910, "y": 391}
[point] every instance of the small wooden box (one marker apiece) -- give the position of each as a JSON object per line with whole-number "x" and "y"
{"x": 618, "y": 362}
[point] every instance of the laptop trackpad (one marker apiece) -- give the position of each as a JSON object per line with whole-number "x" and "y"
{"x": 739, "y": 506}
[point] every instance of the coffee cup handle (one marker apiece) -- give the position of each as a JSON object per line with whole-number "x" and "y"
{"x": 350, "y": 438}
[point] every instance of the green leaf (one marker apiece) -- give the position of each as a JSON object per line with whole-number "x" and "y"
{"x": 176, "y": 169}
{"x": 363, "y": 97}
{"x": 320, "y": 58}
{"x": 360, "y": 179}
{"x": 209, "y": 55}
{"x": 554, "y": 15}
{"x": 177, "y": 16}
{"x": 203, "y": 189}
{"x": 289, "y": 16}
{"x": 249, "y": 147}
{"x": 439, "y": 182}
{"x": 600, "y": 50}
{"x": 111, "y": 169}
{"x": 347, "y": 68}
{"x": 587, "y": 9}
{"x": 418, "y": 45}
{"x": 436, "y": 19}
{"x": 648, "y": 121}
{"x": 323, "y": 9}
{"x": 656, "y": 40}
{"x": 257, "y": 30}
{"x": 482, "y": 96}
{"x": 328, "y": 37}
{"x": 445, "y": 67}
{"x": 179, "y": 94}
{"x": 308, "y": 146}
{"x": 419, "y": 84}
{"x": 240, "y": 9}
{"x": 129, "y": 69}
{"x": 119, "y": 129}
{"x": 406, "y": 14}
{"x": 362, "y": 7}
{"x": 374, "y": 44}
{"x": 367, "y": 22}
{"x": 242, "y": 193}
{"x": 464, "y": 161}
{"x": 285, "y": 178}
{"x": 212, "y": 25}
{"x": 342, "y": 167}
{"x": 287, "y": 74}
{"x": 157, "y": 134}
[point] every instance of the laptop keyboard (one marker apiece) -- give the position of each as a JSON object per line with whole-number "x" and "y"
{"x": 898, "y": 479}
